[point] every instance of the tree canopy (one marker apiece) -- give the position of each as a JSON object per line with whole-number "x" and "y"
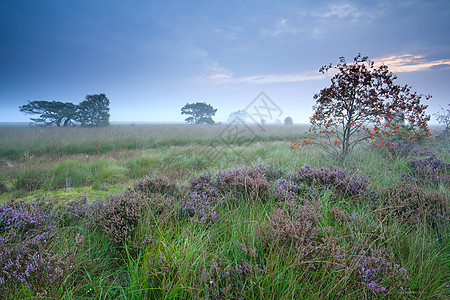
{"x": 50, "y": 112}
{"x": 94, "y": 111}
{"x": 200, "y": 113}
{"x": 364, "y": 99}
{"x": 239, "y": 117}
{"x": 288, "y": 121}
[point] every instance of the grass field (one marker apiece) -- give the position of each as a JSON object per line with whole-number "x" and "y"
{"x": 220, "y": 212}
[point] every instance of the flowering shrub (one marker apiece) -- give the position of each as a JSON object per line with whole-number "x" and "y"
{"x": 79, "y": 210}
{"x": 270, "y": 173}
{"x": 229, "y": 282}
{"x": 119, "y": 215}
{"x": 296, "y": 228}
{"x": 161, "y": 206}
{"x": 202, "y": 205}
{"x": 431, "y": 169}
{"x": 39, "y": 269}
{"x": 204, "y": 184}
{"x": 162, "y": 271}
{"x": 379, "y": 274}
{"x": 206, "y": 191}
{"x": 412, "y": 204}
{"x": 247, "y": 182}
{"x": 156, "y": 184}
{"x": 401, "y": 148}
{"x": 337, "y": 178}
{"x": 202, "y": 200}
{"x": 341, "y": 216}
{"x": 286, "y": 189}
{"x": 21, "y": 221}
{"x": 26, "y": 232}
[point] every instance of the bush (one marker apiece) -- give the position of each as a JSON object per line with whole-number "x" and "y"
{"x": 379, "y": 274}
{"x": 412, "y": 204}
{"x": 295, "y": 229}
{"x": 156, "y": 184}
{"x": 202, "y": 200}
{"x": 21, "y": 221}
{"x": 243, "y": 182}
{"x": 26, "y": 259}
{"x": 402, "y": 148}
{"x": 287, "y": 189}
{"x": 119, "y": 215}
{"x": 201, "y": 205}
{"x": 229, "y": 282}
{"x": 270, "y": 173}
{"x": 206, "y": 191}
{"x": 204, "y": 184}
{"x": 431, "y": 169}
{"x": 337, "y": 178}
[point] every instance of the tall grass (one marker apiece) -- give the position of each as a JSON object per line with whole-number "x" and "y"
{"x": 19, "y": 141}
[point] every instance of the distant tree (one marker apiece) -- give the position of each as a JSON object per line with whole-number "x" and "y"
{"x": 288, "y": 121}
{"x": 444, "y": 119}
{"x": 239, "y": 116}
{"x": 201, "y": 113}
{"x": 50, "y": 112}
{"x": 94, "y": 111}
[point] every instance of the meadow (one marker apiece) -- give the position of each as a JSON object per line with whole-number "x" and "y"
{"x": 218, "y": 212}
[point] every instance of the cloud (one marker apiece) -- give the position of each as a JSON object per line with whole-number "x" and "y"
{"x": 220, "y": 75}
{"x": 231, "y": 33}
{"x": 282, "y": 27}
{"x": 411, "y": 63}
{"x": 342, "y": 11}
{"x": 317, "y": 20}
{"x": 396, "y": 63}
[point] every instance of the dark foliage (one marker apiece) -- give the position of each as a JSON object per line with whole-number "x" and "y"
{"x": 156, "y": 184}
{"x": 94, "y": 111}
{"x": 296, "y": 228}
{"x": 51, "y": 112}
{"x": 412, "y": 204}
{"x": 270, "y": 172}
{"x": 225, "y": 281}
{"x": 337, "y": 178}
{"x": 431, "y": 169}
{"x": 245, "y": 182}
{"x": 119, "y": 215}
{"x": 201, "y": 113}
{"x": 3, "y": 188}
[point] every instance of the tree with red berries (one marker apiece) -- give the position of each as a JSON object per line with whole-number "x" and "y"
{"x": 363, "y": 104}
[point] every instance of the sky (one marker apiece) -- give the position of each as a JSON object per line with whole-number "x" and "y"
{"x": 152, "y": 57}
